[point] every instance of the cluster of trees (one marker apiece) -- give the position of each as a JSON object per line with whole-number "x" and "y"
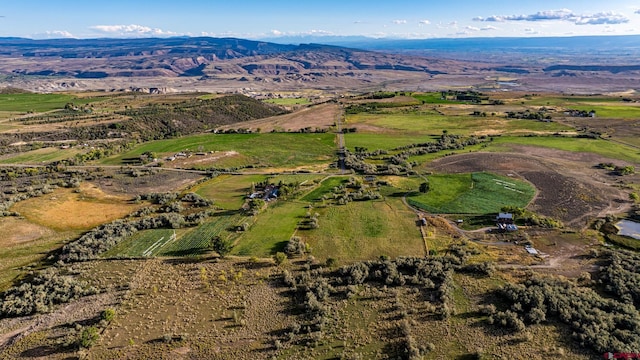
{"x": 296, "y": 247}
{"x": 398, "y": 163}
{"x": 528, "y": 115}
{"x": 463, "y": 95}
{"x": 354, "y": 191}
{"x": 40, "y": 292}
{"x": 598, "y": 323}
{"x": 621, "y": 276}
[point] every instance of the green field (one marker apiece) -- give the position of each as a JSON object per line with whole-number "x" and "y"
{"x": 289, "y": 101}
{"x": 228, "y": 191}
{"x": 271, "y": 230}
{"x": 325, "y": 187}
{"x": 567, "y": 101}
{"x": 476, "y": 193}
{"x": 272, "y": 150}
{"x": 432, "y": 123}
{"x": 143, "y": 243}
{"x": 612, "y": 111}
{"x": 365, "y": 230}
{"x": 195, "y": 241}
{"x": 432, "y": 98}
{"x": 32, "y": 102}
{"x": 38, "y": 156}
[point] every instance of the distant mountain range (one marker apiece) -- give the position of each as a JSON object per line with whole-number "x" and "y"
{"x": 324, "y": 62}
{"x": 599, "y": 43}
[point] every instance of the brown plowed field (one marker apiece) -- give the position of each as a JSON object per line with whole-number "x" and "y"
{"x": 569, "y": 187}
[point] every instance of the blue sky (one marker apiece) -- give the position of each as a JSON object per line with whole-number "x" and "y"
{"x": 259, "y": 19}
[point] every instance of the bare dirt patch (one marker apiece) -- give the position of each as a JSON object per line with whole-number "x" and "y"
{"x": 569, "y": 188}
{"x": 203, "y": 160}
{"x": 160, "y": 181}
{"x": 316, "y": 116}
{"x": 19, "y": 231}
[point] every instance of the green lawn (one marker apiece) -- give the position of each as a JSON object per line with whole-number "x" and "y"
{"x": 272, "y": 150}
{"x": 476, "y": 193}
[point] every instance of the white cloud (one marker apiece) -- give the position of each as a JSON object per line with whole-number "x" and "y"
{"x": 424, "y": 22}
{"x": 54, "y": 34}
{"x": 489, "y": 28}
{"x": 609, "y": 17}
{"x": 472, "y": 28}
{"x": 602, "y": 18}
{"x": 132, "y": 30}
{"x": 637, "y": 11}
{"x": 399, "y": 22}
{"x": 60, "y": 33}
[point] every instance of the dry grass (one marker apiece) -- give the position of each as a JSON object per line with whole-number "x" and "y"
{"x": 66, "y": 209}
{"x": 19, "y": 231}
{"x": 225, "y": 308}
{"x": 317, "y": 116}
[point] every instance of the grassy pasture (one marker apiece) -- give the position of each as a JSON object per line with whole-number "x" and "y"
{"x": 277, "y": 149}
{"x": 325, "y": 187}
{"x": 271, "y": 230}
{"x": 365, "y": 230}
{"x": 32, "y": 102}
{"x": 617, "y": 111}
{"x": 288, "y": 101}
{"x": 415, "y": 123}
{"x": 568, "y": 101}
{"x": 432, "y": 98}
{"x": 38, "y": 156}
{"x": 476, "y": 193}
{"x": 228, "y": 191}
{"x": 196, "y": 241}
{"x": 24, "y": 243}
{"x": 143, "y": 243}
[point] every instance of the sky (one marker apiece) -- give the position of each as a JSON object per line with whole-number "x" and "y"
{"x": 251, "y": 19}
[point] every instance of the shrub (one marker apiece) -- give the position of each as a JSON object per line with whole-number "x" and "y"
{"x": 88, "y": 337}
{"x": 40, "y": 293}
{"x": 280, "y": 258}
{"x": 221, "y": 246}
{"x": 108, "y": 315}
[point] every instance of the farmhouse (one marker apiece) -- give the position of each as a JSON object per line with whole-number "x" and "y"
{"x": 504, "y": 221}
